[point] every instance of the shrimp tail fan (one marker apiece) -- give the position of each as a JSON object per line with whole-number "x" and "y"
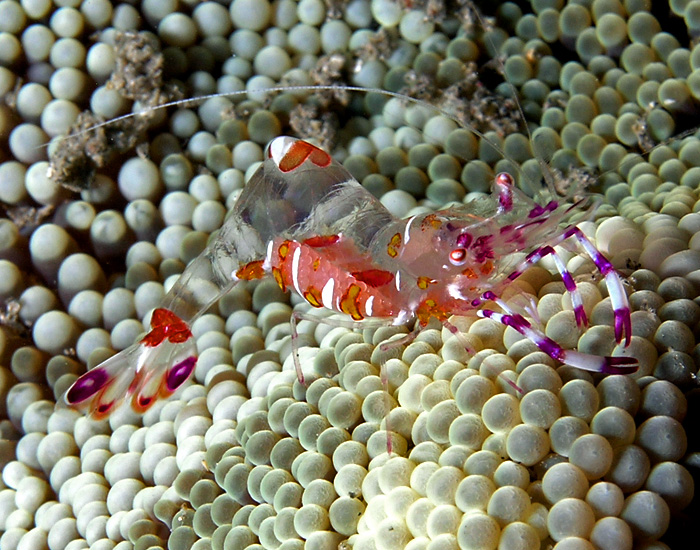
{"x": 151, "y": 369}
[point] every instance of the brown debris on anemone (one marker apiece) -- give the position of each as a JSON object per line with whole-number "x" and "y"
{"x": 138, "y": 76}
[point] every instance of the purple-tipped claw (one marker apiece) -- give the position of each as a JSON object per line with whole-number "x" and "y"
{"x": 619, "y": 365}
{"x": 623, "y": 324}
{"x": 87, "y": 386}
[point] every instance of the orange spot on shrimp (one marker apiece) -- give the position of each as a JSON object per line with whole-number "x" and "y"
{"x": 374, "y": 277}
{"x": 430, "y": 221}
{"x": 427, "y": 309}
{"x": 321, "y": 240}
{"x": 165, "y": 324}
{"x": 251, "y": 270}
{"x": 423, "y": 282}
{"x": 469, "y": 272}
{"x": 313, "y": 296}
{"x": 349, "y": 304}
{"x": 299, "y": 152}
{"x": 277, "y": 274}
{"x": 487, "y": 268}
{"x": 394, "y": 245}
{"x": 141, "y": 403}
{"x": 283, "y": 250}
{"x": 316, "y": 264}
{"x": 103, "y": 410}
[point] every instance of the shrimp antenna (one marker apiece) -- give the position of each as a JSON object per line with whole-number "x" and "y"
{"x": 546, "y": 172}
{"x": 294, "y": 88}
{"x": 544, "y": 166}
{"x": 328, "y": 87}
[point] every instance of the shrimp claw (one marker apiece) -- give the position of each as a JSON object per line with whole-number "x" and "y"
{"x": 153, "y": 368}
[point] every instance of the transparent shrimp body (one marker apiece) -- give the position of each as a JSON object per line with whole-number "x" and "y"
{"x": 303, "y": 219}
{"x": 298, "y": 192}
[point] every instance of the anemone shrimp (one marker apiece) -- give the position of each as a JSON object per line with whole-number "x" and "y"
{"x": 304, "y": 220}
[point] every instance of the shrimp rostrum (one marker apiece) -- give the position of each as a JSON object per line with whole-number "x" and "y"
{"x": 303, "y": 219}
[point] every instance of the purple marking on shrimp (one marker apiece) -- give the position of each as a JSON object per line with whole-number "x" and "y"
{"x": 568, "y": 280}
{"x": 104, "y": 408}
{"x": 580, "y": 314}
{"x": 180, "y": 373}
{"x": 534, "y": 256}
{"x": 483, "y": 241}
{"x": 536, "y": 212}
{"x": 488, "y": 295}
{"x": 603, "y": 264}
{"x": 551, "y": 348}
{"x": 623, "y": 321}
{"x": 570, "y": 232}
{"x": 505, "y": 193}
{"x": 482, "y": 248}
{"x": 484, "y": 255}
{"x": 539, "y": 210}
{"x": 87, "y": 386}
{"x": 515, "y": 321}
{"x": 514, "y": 275}
{"x": 618, "y": 327}
{"x": 464, "y": 240}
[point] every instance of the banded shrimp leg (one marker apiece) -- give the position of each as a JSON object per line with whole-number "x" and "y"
{"x": 606, "y": 365}
{"x": 618, "y": 298}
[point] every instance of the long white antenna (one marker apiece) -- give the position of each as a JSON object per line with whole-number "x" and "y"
{"x": 297, "y": 88}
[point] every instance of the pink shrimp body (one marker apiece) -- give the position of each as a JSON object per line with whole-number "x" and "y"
{"x": 303, "y": 219}
{"x": 349, "y": 282}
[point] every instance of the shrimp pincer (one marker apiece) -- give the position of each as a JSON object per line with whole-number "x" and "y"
{"x": 304, "y": 220}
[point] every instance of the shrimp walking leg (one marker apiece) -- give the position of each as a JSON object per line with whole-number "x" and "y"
{"x": 607, "y": 365}
{"x": 618, "y": 297}
{"x": 569, "y": 283}
{"x": 457, "y": 334}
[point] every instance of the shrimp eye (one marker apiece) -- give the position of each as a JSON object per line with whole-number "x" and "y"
{"x": 458, "y": 256}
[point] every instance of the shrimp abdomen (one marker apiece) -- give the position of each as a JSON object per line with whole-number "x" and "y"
{"x": 329, "y": 272}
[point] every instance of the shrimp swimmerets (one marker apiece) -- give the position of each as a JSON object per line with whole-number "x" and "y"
{"x": 303, "y": 219}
